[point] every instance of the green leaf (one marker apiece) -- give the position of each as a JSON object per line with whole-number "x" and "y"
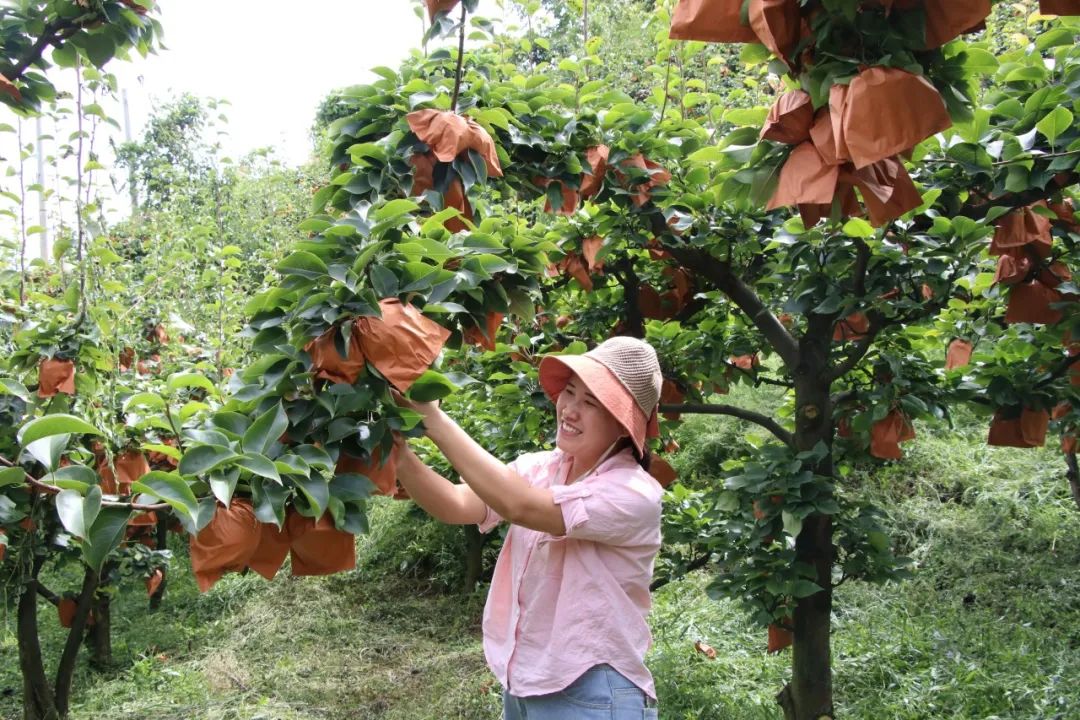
{"x": 12, "y": 476}
{"x": 317, "y": 492}
{"x": 146, "y": 399}
{"x": 77, "y": 512}
{"x": 980, "y": 62}
{"x": 792, "y": 523}
{"x": 188, "y": 380}
{"x": 268, "y": 500}
{"x": 223, "y": 484}
{"x": 805, "y": 588}
{"x": 432, "y": 385}
{"x": 49, "y": 450}
{"x": 394, "y": 208}
{"x": 106, "y": 534}
{"x": 75, "y": 477}
{"x": 266, "y": 430}
{"x": 858, "y": 228}
{"x": 58, "y": 424}
{"x": 1056, "y": 122}
{"x": 16, "y": 388}
{"x": 304, "y": 264}
{"x": 172, "y": 489}
{"x": 202, "y": 459}
{"x": 260, "y": 465}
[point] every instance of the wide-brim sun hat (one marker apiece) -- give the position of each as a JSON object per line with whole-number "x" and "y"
{"x": 624, "y": 375}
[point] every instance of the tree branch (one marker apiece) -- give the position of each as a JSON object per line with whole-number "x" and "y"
{"x": 741, "y": 413}
{"x": 721, "y": 275}
{"x": 52, "y": 490}
{"x": 59, "y": 30}
{"x": 695, "y": 564}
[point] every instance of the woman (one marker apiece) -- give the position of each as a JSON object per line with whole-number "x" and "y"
{"x": 565, "y": 627}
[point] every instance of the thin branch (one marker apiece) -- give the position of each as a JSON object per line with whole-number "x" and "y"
{"x": 47, "y": 594}
{"x": 53, "y": 489}
{"x": 721, "y": 275}
{"x": 862, "y": 262}
{"x": 741, "y": 413}
{"x": 695, "y": 564}
{"x": 460, "y": 61}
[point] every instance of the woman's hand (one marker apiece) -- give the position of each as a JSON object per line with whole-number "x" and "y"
{"x": 429, "y": 410}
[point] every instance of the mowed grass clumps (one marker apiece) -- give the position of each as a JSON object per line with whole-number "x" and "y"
{"x": 988, "y": 626}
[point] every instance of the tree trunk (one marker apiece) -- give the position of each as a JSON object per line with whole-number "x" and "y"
{"x": 39, "y": 702}
{"x": 163, "y": 544}
{"x": 809, "y": 694}
{"x": 474, "y": 557}
{"x": 1073, "y": 476}
{"x": 99, "y": 635}
{"x": 65, "y": 672}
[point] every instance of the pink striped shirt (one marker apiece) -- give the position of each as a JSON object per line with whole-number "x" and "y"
{"x": 559, "y": 605}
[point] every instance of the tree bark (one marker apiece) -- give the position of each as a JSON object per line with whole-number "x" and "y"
{"x": 1073, "y": 476}
{"x": 474, "y": 557}
{"x": 39, "y": 703}
{"x": 99, "y": 635}
{"x": 162, "y": 544}
{"x": 809, "y": 694}
{"x": 66, "y": 670}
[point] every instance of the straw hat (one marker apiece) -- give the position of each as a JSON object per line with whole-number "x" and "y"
{"x": 624, "y": 375}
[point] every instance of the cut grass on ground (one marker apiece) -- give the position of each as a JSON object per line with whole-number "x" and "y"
{"x": 989, "y": 627}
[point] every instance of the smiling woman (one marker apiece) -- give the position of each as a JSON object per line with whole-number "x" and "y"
{"x": 564, "y": 625}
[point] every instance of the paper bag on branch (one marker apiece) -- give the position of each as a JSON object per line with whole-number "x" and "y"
{"x": 958, "y": 355}
{"x": 887, "y": 434}
{"x": 789, "y": 119}
{"x": 329, "y": 364}
{"x": 887, "y": 111}
{"x": 382, "y": 475}
{"x": 948, "y": 19}
{"x": 710, "y": 21}
{"x": 224, "y": 545}
{"x": 449, "y": 134}
{"x": 317, "y": 547}
{"x": 455, "y": 197}
{"x": 402, "y": 344}
{"x": 1023, "y": 228}
{"x": 56, "y": 376}
{"x": 437, "y": 6}
{"x": 484, "y": 336}
{"x": 1059, "y": 7}
{"x": 1027, "y": 430}
{"x": 1030, "y": 302}
{"x": 597, "y": 158}
{"x": 663, "y": 472}
{"x": 777, "y": 24}
{"x": 271, "y": 550}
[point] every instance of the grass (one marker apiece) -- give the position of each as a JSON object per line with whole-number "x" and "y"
{"x": 989, "y": 626}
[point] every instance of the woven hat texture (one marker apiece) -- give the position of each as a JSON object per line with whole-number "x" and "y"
{"x": 633, "y": 362}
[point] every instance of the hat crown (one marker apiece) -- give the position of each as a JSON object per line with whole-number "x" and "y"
{"x": 634, "y": 363}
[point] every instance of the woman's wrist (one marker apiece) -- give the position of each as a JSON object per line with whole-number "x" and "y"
{"x": 436, "y": 423}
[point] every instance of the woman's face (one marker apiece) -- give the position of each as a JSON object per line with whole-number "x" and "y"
{"x": 586, "y": 428}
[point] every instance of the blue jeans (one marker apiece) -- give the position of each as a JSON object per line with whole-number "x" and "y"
{"x": 600, "y": 693}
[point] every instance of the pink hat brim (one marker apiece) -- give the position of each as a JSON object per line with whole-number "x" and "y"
{"x": 555, "y": 372}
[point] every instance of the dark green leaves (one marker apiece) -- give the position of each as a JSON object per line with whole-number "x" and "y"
{"x": 265, "y": 431}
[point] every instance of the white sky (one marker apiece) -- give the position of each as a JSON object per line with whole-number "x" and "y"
{"x": 273, "y": 61}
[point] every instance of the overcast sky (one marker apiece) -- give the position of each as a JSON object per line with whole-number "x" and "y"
{"x": 273, "y": 61}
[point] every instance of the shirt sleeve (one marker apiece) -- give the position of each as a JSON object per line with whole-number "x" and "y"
{"x": 521, "y": 466}
{"x": 622, "y": 511}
